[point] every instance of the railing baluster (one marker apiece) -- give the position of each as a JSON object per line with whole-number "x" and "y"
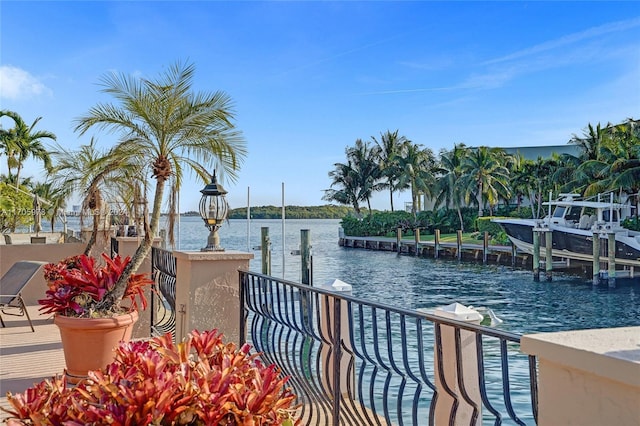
{"x": 389, "y": 362}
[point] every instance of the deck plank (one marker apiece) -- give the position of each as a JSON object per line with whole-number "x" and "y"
{"x": 28, "y": 357}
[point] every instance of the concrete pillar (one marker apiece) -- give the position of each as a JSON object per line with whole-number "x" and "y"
{"x": 587, "y": 377}
{"x": 127, "y": 246}
{"x": 468, "y": 356}
{"x": 327, "y": 330}
{"x": 207, "y": 292}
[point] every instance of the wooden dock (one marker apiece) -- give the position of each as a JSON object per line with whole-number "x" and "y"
{"x": 486, "y": 253}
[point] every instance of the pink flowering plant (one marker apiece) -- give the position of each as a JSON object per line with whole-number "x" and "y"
{"x": 79, "y": 286}
{"x": 202, "y": 381}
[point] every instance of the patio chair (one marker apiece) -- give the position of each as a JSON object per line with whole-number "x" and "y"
{"x": 11, "y": 285}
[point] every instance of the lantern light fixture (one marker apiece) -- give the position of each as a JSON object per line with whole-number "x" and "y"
{"x": 213, "y": 210}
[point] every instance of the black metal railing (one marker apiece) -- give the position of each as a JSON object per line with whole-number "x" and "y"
{"x": 355, "y": 362}
{"x": 163, "y": 298}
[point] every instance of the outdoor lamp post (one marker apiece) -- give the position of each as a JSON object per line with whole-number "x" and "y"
{"x": 213, "y": 210}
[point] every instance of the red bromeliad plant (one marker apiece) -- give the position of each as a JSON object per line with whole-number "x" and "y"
{"x": 202, "y": 381}
{"x": 78, "y": 287}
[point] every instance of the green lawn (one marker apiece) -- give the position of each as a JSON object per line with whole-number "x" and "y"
{"x": 467, "y": 238}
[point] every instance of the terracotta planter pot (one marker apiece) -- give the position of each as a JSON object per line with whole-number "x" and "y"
{"x": 89, "y": 343}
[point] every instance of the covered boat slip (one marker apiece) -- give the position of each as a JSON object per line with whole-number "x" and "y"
{"x": 580, "y": 230}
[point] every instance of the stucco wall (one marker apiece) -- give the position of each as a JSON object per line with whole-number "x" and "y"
{"x": 35, "y": 289}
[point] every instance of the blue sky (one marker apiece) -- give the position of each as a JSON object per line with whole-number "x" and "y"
{"x": 309, "y": 78}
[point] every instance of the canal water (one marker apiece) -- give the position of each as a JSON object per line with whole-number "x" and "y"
{"x": 568, "y": 302}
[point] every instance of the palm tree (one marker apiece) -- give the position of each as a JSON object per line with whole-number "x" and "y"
{"x": 345, "y": 177}
{"x": 358, "y": 179}
{"x": 168, "y": 127}
{"x": 417, "y": 165}
{"x": 54, "y": 200}
{"x": 389, "y": 145}
{"x": 485, "y": 176}
{"x": 449, "y": 171}
{"x": 97, "y": 175}
{"x": 621, "y": 153}
{"x": 22, "y": 142}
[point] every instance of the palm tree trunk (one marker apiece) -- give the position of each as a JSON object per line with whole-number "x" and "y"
{"x": 460, "y": 218}
{"x": 391, "y": 198}
{"x": 143, "y": 249}
{"x": 92, "y": 239}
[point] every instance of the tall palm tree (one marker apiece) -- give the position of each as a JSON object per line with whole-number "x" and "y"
{"x": 449, "y": 171}
{"x": 358, "y": 179}
{"x": 390, "y": 145}
{"x": 418, "y": 167}
{"x": 167, "y": 126}
{"x": 485, "y": 176}
{"x": 22, "y": 142}
{"x": 591, "y": 142}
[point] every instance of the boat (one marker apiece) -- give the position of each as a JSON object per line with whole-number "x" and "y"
{"x": 574, "y": 222}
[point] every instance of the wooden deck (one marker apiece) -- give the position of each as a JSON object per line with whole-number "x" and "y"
{"x": 28, "y": 357}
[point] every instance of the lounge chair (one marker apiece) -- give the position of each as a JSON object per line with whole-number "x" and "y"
{"x": 11, "y": 285}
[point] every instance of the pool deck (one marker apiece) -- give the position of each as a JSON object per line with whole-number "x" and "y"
{"x": 28, "y": 357}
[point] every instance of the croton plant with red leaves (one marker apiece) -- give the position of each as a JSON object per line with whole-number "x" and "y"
{"x": 201, "y": 381}
{"x": 77, "y": 287}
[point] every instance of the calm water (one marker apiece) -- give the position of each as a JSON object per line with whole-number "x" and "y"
{"x": 569, "y": 302}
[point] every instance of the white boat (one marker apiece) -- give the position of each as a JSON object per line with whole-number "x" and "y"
{"x": 574, "y": 222}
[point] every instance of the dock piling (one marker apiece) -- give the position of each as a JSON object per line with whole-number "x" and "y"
{"x": 265, "y": 250}
{"x": 548, "y": 243}
{"x": 596, "y": 258}
{"x": 612, "y": 258}
{"x": 536, "y": 255}
{"x": 416, "y": 234}
{"x": 436, "y": 245}
{"x": 459, "y": 243}
{"x": 485, "y": 247}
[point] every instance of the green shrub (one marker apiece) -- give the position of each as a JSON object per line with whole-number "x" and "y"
{"x": 485, "y": 224}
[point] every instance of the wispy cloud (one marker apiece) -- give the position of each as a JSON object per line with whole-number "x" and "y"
{"x": 613, "y": 27}
{"x": 18, "y": 84}
{"x": 497, "y": 72}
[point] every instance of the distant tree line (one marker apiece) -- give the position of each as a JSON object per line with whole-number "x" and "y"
{"x": 293, "y": 212}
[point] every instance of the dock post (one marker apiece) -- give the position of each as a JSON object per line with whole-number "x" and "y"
{"x": 612, "y": 258}
{"x": 436, "y": 243}
{"x": 485, "y": 248}
{"x": 514, "y": 255}
{"x": 459, "y": 241}
{"x": 265, "y": 247}
{"x": 536, "y": 255}
{"x": 596, "y": 258}
{"x": 398, "y": 239}
{"x": 416, "y": 234}
{"x": 548, "y": 243}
